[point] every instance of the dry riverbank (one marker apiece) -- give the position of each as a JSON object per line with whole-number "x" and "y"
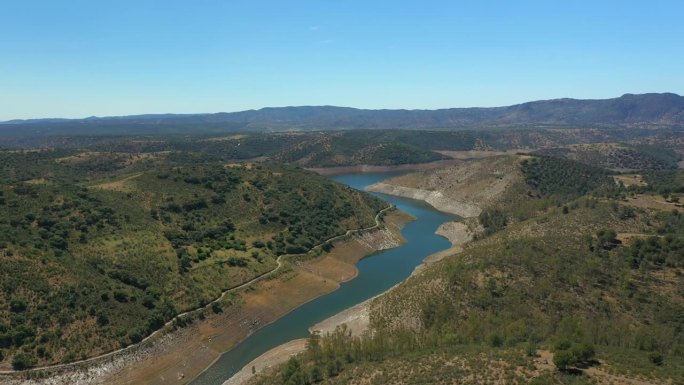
{"x": 179, "y": 356}
{"x": 463, "y": 189}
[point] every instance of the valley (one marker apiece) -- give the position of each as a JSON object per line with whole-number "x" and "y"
{"x": 558, "y": 263}
{"x": 141, "y": 259}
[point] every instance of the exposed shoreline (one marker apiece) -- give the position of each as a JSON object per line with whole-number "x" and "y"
{"x": 356, "y": 318}
{"x": 175, "y": 357}
{"x": 434, "y": 198}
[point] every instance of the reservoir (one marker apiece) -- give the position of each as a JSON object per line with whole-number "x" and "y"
{"x": 377, "y": 273}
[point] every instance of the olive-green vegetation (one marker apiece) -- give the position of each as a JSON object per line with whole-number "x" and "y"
{"x": 354, "y": 148}
{"x": 377, "y": 147}
{"x": 662, "y": 182}
{"x": 492, "y": 220}
{"x": 562, "y": 280}
{"x": 618, "y": 157}
{"x": 100, "y": 249}
{"x": 551, "y": 176}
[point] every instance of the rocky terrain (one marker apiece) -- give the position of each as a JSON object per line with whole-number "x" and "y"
{"x": 463, "y": 189}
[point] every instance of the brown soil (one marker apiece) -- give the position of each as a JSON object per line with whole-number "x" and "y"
{"x": 630, "y": 180}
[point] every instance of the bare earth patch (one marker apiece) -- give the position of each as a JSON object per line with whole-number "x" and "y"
{"x": 463, "y": 189}
{"x": 119, "y": 185}
{"x": 630, "y": 180}
{"x": 653, "y": 202}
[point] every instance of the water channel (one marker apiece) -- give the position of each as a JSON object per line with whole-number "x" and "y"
{"x": 377, "y": 273}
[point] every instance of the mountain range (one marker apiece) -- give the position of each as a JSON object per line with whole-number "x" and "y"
{"x": 629, "y": 110}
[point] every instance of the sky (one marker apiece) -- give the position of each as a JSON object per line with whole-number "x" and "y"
{"x": 78, "y": 58}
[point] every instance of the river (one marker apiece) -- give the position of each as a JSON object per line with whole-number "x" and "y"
{"x": 377, "y": 273}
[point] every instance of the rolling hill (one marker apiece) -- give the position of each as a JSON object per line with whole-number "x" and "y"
{"x": 99, "y": 250}
{"x": 570, "y": 281}
{"x": 629, "y": 110}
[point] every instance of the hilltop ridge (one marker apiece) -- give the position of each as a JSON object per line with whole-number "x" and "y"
{"x": 628, "y": 110}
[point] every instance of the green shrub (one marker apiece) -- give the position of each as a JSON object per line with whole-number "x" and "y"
{"x": 23, "y": 361}
{"x": 656, "y": 358}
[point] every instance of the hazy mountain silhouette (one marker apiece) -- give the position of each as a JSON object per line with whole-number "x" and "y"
{"x": 629, "y": 110}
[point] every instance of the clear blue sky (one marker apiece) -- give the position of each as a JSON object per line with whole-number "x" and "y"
{"x": 116, "y": 57}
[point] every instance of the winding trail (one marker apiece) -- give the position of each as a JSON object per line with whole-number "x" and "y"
{"x": 279, "y": 265}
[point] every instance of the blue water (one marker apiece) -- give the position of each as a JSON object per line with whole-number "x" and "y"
{"x": 377, "y": 273}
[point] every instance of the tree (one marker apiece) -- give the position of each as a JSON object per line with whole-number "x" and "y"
{"x": 492, "y": 220}
{"x": 216, "y": 308}
{"x": 316, "y": 374}
{"x": 583, "y": 352}
{"x": 563, "y": 359}
{"x": 334, "y": 368}
{"x": 293, "y": 374}
{"x": 607, "y": 239}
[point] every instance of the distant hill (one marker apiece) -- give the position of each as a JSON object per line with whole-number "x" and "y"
{"x": 645, "y": 110}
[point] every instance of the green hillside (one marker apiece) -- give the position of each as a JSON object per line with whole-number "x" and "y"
{"x": 99, "y": 250}
{"x": 587, "y": 290}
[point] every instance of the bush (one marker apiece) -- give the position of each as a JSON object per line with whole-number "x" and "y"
{"x": 492, "y": 220}
{"x": 583, "y": 352}
{"x": 562, "y": 344}
{"x": 23, "y": 361}
{"x": 216, "y": 308}
{"x": 656, "y": 358}
{"x": 567, "y": 354}
{"x": 563, "y": 359}
{"x": 17, "y": 305}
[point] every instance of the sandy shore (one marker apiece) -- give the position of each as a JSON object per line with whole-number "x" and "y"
{"x": 267, "y": 360}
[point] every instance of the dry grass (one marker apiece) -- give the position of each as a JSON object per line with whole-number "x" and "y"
{"x": 630, "y": 180}
{"x": 653, "y": 202}
{"x": 123, "y": 185}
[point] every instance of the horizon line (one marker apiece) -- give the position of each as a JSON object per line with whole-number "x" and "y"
{"x": 94, "y": 117}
